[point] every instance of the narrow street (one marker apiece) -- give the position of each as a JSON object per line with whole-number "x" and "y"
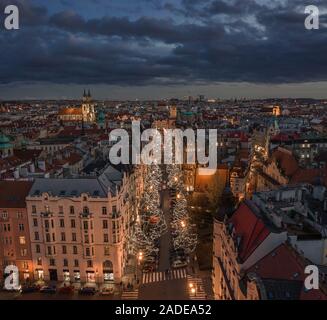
{"x": 163, "y": 286}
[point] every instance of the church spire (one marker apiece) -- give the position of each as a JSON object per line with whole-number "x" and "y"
{"x": 89, "y": 94}
{"x": 84, "y": 94}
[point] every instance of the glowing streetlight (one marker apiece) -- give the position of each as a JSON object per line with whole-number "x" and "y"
{"x": 140, "y": 257}
{"x": 193, "y": 291}
{"x": 183, "y": 224}
{"x": 191, "y": 285}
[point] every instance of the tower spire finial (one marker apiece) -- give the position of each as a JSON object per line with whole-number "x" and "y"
{"x": 89, "y": 94}
{"x": 84, "y": 94}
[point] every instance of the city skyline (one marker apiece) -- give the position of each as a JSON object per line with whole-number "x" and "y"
{"x": 155, "y": 49}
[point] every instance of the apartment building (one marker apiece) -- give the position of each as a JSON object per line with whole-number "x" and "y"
{"x": 238, "y": 244}
{"x": 15, "y": 245}
{"x": 75, "y": 231}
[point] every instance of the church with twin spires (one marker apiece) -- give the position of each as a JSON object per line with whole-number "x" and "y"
{"x": 82, "y": 114}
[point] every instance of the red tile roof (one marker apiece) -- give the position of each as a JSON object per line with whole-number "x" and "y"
{"x": 286, "y": 161}
{"x": 250, "y": 228}
{"x": 13, "y": 193}
{"x": 284, "y": 263}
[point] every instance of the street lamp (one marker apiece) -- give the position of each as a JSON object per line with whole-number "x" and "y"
{"x": 193, "y": 291}
{"x": 140, "y": 257}
{"x": 183, "y": 224}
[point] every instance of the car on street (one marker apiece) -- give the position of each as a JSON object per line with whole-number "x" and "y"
{"x": 29, "y": 289}
{"x": 106, "y": 291}
{"x": 67, "y": 290}
{"x": 179, "y": 264}
{"x": 48, "y": 289}
{"x": 148, "y": 268}
{"x": 87, "y": 291}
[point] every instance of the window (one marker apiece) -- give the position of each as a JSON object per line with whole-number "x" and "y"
{"x": 46, "y": 224}
{"x": 61, "y": 210}
{"x": 21, "y": 227}
{"x": 85, "y": 225}
{"x": 106, "y": 251}
{"x": 76, "y": 263}
{"x": 33, "y": 209}
{"x": 52, "y": 262}
{"x": 19, "y": 215}
{"x": 38, "y": 248}
{"x": 49, "y": 251}
{"x": 104, "y": 210}
{"x": 64, "y": 250}
{"x": 75, "y": 250}
{"x": 22, "y": 240}
{"x": 86, "y": 238}
{"x": 105, "y": 238}
{"x": 85, "y": 210}
{"x": 71, "y": 210}
{"x": 65, "y": 263}
{"x": 89, "y": 263}
{"x": 114, "y": 209}
{"x": 87, "y": 252}
{"x": 35, "y": 224}
{"x": 36, "y": 236}
{"x": 39, "y": 261}
{"x": 105, "y": 224}
{"x": 63, "y": 236}
{"x": 62, "y": 223}
{"x": 47, "y": 237}
{"x": 72, "y": 223}
{"x": 53, "y": 237}
{"x": 23, "y": 252}
{"x": 74, "y": 237}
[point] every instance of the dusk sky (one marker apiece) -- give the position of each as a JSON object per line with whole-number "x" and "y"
{"x": 123, "y": 49}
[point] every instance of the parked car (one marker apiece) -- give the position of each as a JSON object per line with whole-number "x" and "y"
{"x": 106, "y": 291}
{"x": 48, "y": 289}
{"x": 148, "y": 268}
{"x": 29, "y": 289}
{"x": 67, "y": 290}
{"x": 179, "y": 264}
{"x": 88, "y": 291}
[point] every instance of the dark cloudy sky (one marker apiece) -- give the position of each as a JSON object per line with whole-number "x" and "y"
{"x": 163, "y": 48}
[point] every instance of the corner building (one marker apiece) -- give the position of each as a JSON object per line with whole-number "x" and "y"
{"x": 74, "y": 231}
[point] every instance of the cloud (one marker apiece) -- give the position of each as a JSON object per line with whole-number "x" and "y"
{"x": 197, "y": 42}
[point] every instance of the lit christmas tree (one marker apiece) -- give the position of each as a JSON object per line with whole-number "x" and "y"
{"x": 186, "y": 236}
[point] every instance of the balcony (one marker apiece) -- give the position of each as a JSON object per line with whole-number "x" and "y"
{"x": 86, "y": 215}
{"x": 46, "y": 214}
